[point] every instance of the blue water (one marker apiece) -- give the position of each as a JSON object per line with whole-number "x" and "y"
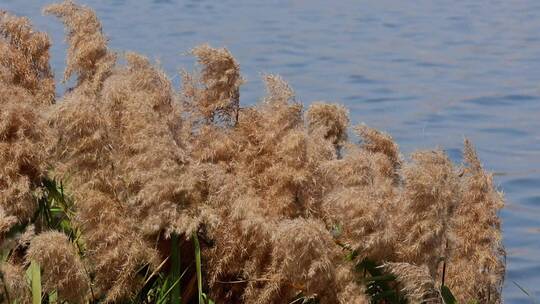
{"x": 428, "y": 72}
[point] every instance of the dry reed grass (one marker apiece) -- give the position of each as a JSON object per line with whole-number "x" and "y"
{"x": 278, "y": 192}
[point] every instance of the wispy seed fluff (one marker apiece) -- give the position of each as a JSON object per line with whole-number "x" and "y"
{"x": 302, "y": 261}
{"x": 430, "y": 196}
{"x": 13, "y": 283}
{"x": 144, "y": 118}
{"x": 216, "y": 90}
{"x": 332, "y": 120}
{"x": 416, "y": 282}
{"x": 26, "y": 89}
{"x": 87, "y": 55}
{"x": 478, "y": 236}
{"x": 25, "y": 60}
{"x": 61, "y": 266}
{"x": 361, "y": 202}
{"x": 87, "y": 156}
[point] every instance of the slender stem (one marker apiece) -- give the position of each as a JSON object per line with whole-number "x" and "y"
{"x": 443, "y": 273}
{"x": 444, "y": 266}
{"x": 198, "y": 265}
{"x": 175, "y": 271}
{"x": 35, "y": 276}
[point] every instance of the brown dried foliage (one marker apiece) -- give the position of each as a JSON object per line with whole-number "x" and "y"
{"x": 430, "y": 195}
{"x": 87, "y": 56}
{"x": 215, "y": 92}
{"x": 417, "y": 283}
{"x": 279, "y": 192}
{"x": 478, "y": 237}
{"x": 63, "y": 270}
{"x": 14, "y": 282}
{"x": 26, "y": 89}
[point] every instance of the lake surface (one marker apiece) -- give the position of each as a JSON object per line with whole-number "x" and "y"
{"x": 428, "y": 72}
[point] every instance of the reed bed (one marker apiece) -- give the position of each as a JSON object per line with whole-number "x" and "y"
{"x": 129, "y": 190}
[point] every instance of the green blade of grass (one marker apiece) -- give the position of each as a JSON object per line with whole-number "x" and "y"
{"x": 53, "y": 297}
{"x": 198, "y": 266}
{"x": 207, "y": 300}
{"x": 169, "y": 290}
{"x": 175, "y": 271}
{"x": 165, "y": 290}
{"x": 447, "y": 295}
{"x": 33, "y": 274}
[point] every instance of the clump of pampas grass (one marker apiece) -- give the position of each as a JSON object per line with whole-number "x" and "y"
{"x": 279, "y": 194}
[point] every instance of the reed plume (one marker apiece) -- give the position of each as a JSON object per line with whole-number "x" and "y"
{"x": 330, "y": 120}
{"x": 478, "y": 237}
{"x": 87, "y": 56}
{"x": 430, "y": 196}
{"x": 216, "y": 90}
{"x": 26, "y": 91}
{"x": 86, "y": 153}
{"x": 13, "y": 282}
{"x": 416, "y": 282}
{"x": 62, "y": 268}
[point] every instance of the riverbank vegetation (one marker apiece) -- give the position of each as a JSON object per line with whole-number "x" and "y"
{"x": 128, "y": 190}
